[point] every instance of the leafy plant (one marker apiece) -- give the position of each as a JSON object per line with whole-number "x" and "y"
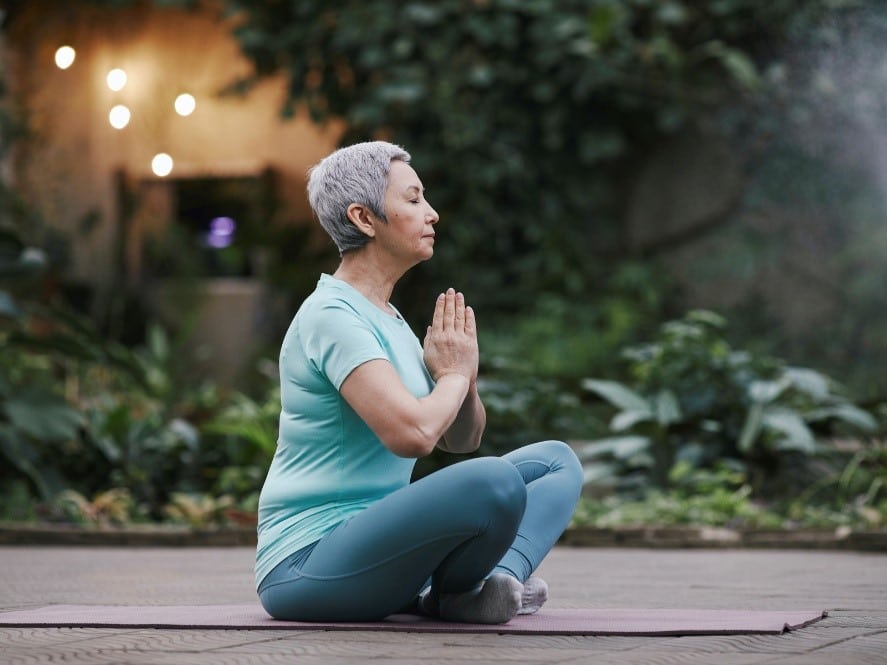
{"x": 722, "y": 498}
{"x": 857, "y": 488}
{"x": 240, "y": 443}
{"x": 695, "y": 400}
{"x": 198, "y": 510}
{"x": 113, "y": 506}
{"x": 79, "y": 412}
{"x": 544, "y": 106}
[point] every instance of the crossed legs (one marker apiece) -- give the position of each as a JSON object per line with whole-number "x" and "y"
{"x": 488, "y": 518}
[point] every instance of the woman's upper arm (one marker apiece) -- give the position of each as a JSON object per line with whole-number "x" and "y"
{"x": 376, "y": 393}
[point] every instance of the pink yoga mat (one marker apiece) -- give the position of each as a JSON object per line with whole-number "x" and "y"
{"x": 546, "y": 621}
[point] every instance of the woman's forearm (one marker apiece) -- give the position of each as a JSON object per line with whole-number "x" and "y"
{"x": 437, "y": 413}
{"x": 465, "y": 432}
{"x": 407, "y": 426}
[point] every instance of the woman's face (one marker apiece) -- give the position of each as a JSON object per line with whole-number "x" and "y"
{"x": 409, "y": 233}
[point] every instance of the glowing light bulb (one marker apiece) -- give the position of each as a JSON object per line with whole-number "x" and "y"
{"x": 64, "y": 57}
{"x": 116, "y": 79}
{"x": 185, "y": 104}
{"x": 161, "y": 165}
{"x": 119, "y": 116}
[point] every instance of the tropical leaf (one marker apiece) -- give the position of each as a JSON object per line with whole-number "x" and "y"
{"x": 43, "y": 416}
{"x": 599, "y": 471}
{"x": 668, "y": 410}
{"x": 765, "y": 392}
{"x": 627, "y": 419}
{"x": 795, "y": 435}
{"x": 808, "y": 381}
{"x": 620, "y": 447}
{"x": 846, "y": 413}
{"x": 751, "y": 428}
{"x": 617, "y": 394}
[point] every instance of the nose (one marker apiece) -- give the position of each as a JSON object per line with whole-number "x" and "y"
{"x": 433, "y": 217}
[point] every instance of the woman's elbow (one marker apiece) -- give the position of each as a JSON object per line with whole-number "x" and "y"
{"x": 462, "y": 446}
{"x": 413, "y": 442}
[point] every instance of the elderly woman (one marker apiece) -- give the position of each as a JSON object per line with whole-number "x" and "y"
{"x": 343, "y": 534}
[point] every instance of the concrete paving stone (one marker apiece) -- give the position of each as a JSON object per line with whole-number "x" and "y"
{"x": 872, "y": 644}
{"x": 801, "y": 641}
{"x": 433, "y": 647}
{"x": 652, "y": 657}
{"x": 856, "y": 618}
{"x": 578, "y": 642}
{"x": 851, "y": 585}
{"x": 144, "y": 639}
{"x": 829, "y": 659}
{"x": 11, "y": 637}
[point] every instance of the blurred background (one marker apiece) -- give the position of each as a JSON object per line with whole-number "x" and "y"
{"x": 670, "y": 216}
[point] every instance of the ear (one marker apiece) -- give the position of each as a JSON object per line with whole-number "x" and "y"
{"x": 361, "y": 216}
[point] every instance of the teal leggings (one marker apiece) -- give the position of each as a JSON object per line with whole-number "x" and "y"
{"x": 454, "y": 527}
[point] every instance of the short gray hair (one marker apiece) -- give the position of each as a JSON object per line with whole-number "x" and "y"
{"x": 354, "y": 174}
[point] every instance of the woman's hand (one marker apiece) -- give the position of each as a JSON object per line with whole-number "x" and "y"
{"x": 451, "y": 414}
{"x": 451, "y": 340}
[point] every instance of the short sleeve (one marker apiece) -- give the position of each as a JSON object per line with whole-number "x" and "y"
{"x": 337, "y": 340}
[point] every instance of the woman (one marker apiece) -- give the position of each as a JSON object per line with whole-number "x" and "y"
{"x": 343, "y": 535}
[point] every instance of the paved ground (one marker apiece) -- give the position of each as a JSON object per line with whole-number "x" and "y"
{"x": 852, "y": 586}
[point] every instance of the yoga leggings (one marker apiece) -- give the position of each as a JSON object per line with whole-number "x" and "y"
{"x": 454, "y": 526}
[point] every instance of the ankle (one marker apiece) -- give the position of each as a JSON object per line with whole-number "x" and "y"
{"x": 496, "y": 601}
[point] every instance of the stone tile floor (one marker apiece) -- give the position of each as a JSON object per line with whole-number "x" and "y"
{"x": 852, "y": 586}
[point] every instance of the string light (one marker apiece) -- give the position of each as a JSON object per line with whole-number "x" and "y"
{"x": 185, "y": 104}
{"x": 116, "y": 79}
{"x": 161, "y": 165}
{"x": 64, "y": 57}
{"x": 119, "y": 116}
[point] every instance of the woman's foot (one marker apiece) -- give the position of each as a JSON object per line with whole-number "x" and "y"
{"x": 496, "y": 601}
{"x": 534, "y": 595}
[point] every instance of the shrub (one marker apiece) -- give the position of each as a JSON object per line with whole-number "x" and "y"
{"x": 696, "y": 401}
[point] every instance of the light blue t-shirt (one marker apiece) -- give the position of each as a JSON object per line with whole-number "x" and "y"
{"x": 329, "y": 465}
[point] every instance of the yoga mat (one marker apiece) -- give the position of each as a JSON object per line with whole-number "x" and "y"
{"x": 545, "y": 621}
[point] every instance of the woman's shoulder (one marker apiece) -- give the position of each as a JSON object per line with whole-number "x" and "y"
{"x": 328, "y": 311}
{"x": 327, "y": 297}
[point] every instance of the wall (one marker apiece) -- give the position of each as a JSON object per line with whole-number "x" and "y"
{"x": 68, "y": 165}
{"x": 73, "y": 161}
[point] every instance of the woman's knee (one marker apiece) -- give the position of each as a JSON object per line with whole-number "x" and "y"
{"x": 565, "y": 455}
{"x": 563, "y": 460}
{"x": 495, "y": 484}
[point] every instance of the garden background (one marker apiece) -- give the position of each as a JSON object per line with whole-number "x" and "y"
{"x": 670, "y": 216}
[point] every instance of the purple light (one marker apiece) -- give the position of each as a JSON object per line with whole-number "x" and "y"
{"x": 221, "y": 232}
{"x": 222, "y": 226}
{"x": 218, "y": 242}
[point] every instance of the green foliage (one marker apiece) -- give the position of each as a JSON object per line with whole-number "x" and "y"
{"x": 522, "y": 117}
{"x": 695, "y": 401}
{"x": 81, "y": 414}
{"x": 242, "y": 439}
{"x": 838, "y": 210}
{"x": 722, "y": 497}
{"x": 522, "y": 408}
{"x": 113, "y": 506}
{"x": 567, "y": 338}
{"x": 526, "y": 120}
{"x": 198, "y": 510}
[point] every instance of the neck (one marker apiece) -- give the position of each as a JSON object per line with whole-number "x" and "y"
{"x": 374, "y": 279}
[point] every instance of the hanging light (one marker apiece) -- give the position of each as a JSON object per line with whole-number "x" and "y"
{"x": 119, "y": 116}
{"x": 116, "y": 79}
{"x": 161, "y": 165}
{"x": 185, "y": 104}
{"x": 64, "y": 57}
